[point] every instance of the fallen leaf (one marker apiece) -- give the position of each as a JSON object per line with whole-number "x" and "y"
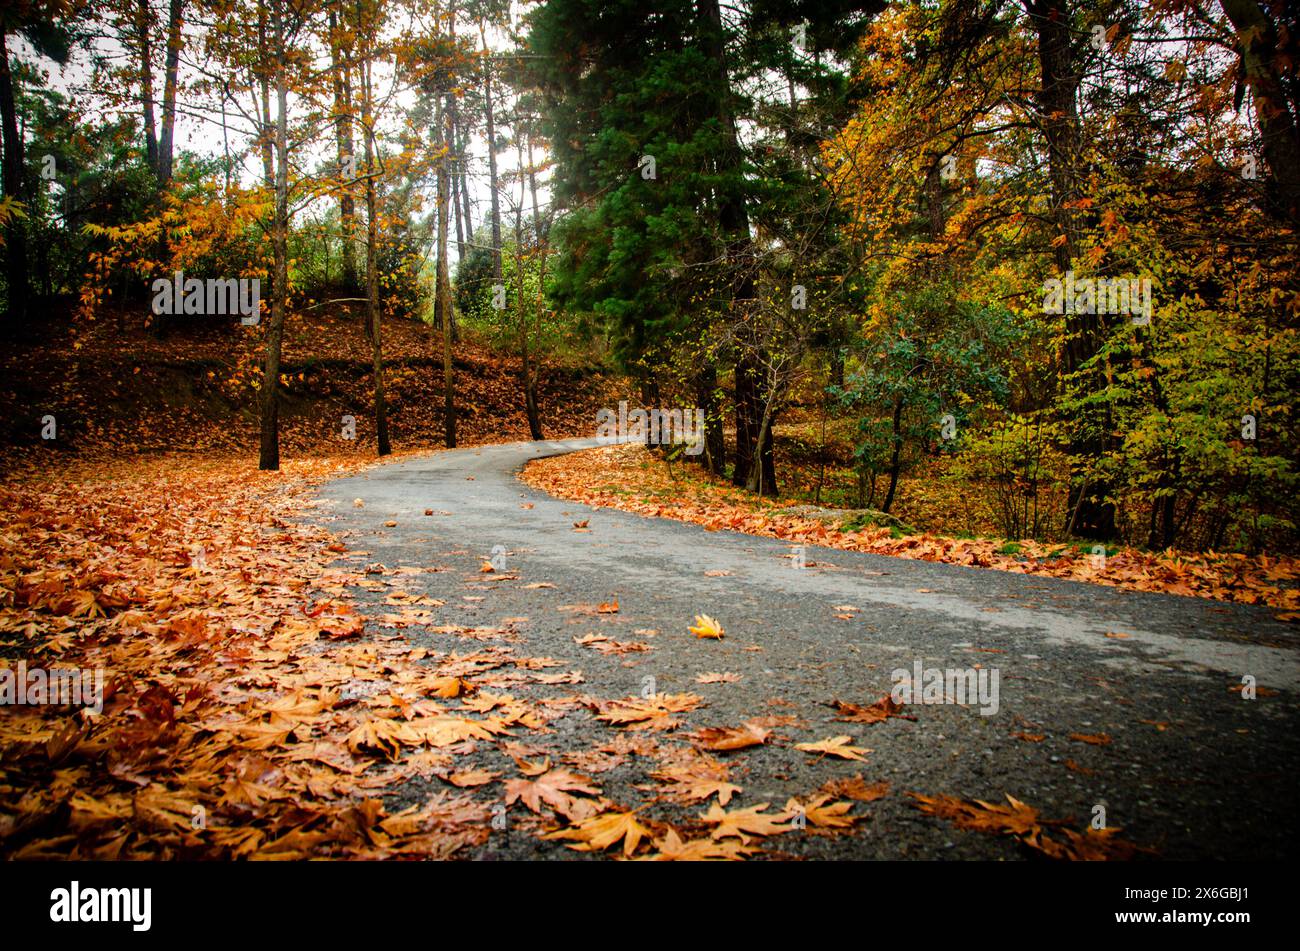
{"x": 706, "y": 627}
{"x": 717, "y": 678}
{"x": 743, "y": 823}
{"x": 881, "y": 710}
{"x": 855, "y": 787}
{"x": 599, "y": 832}
{"x": 555, "y": 788}
{"x": 671, "y": 848}
{"x": 724, "y": 738}
{"x": 1095, "y": 739}
{"x": 835, "y": 746}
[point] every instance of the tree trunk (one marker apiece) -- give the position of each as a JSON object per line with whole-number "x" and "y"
{"x": 714, "y": 455}
{"x": 342, "y": 74}
{"x": 896, "y": 457}
{"x": 464, "y": 133}
{"x": 455, "y": 157}
{"x": 175, "y": 16}
{"x": 1257, "y": 36}
{"x": 733, "y": 218}
{"x": 16, "y": 231}
{"x": 270, "y": 396}
{"x": 143, "y": 27}
{"x": 530, "y": 376}
{"x": 747, "y": 419}
{"x": 443, "y": 291}
{"x": 762, "y": 477}
{"x": 372, "y": 260}
{"x": 490, "y": 115}
{"x": 464, "y": 230}
{"x": 264, "y": 140}
{"x": 1094, "y": 516}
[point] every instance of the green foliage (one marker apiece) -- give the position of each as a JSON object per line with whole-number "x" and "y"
{"x": 928, "y": 357}
{"x": 1021, "y": 474}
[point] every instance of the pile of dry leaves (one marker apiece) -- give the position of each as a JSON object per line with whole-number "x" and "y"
{"x": 244, "y": 712}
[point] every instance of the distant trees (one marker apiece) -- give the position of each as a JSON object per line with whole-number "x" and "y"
{"x": 1009, "y": 145}
{"x": 41, "y": 25}
{"x": 854, "y": 203}
{"x": 656, "y": 184}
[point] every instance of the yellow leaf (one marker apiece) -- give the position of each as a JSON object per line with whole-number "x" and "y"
{"x": 706, "y": 627}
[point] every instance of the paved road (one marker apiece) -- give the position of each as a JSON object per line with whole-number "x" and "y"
{"x": 1192, "y": 769}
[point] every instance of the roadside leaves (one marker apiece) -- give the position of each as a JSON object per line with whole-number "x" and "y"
{"x": 1022, "y": 823}
{"x": 649, "y": 489}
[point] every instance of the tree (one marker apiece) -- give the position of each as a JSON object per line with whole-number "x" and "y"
{"x": 283, "y": 27}
{"x": 370, "y": 20}
{"x": 38, "y": 23}
{"x": 171, "y": 69}
{"x": 488, "y": 13}
{"x": 341, "y": 42}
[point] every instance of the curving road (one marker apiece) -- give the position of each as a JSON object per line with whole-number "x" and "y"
{"x": 1192, "y": 769}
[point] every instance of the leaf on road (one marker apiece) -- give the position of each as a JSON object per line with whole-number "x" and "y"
{"x": 672, "y": 848}
{"x": 855, "y": 787}
{"x": 600, "y": 832}
{"x": 878, "y": 712}
{"x": 731, "y": 738}
{"x": 717, "y": 678}
{"x": 1023, "y": 823}
{"x": 447, "y": 731}
{"x": 1016, "y": 818}
{"x": 1091, "y": 845}
{"x": 706, "y": 627}
{"x": 697, "y": 779}
{"x": 555, "y": 788}
{"x": 382, "y": 735}
{"x": 821, "y": 812}
{"x": 471, "y": 777}
{"x": 1093, "y": 739}
{"x": 654, "y": 712}
{"x": 606, "y": 645}
{"x": 743, "y": 823}
{"x": 835, "y": 746}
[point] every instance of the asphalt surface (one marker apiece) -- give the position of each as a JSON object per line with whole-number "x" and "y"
{"x": 1192, "y": 770}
